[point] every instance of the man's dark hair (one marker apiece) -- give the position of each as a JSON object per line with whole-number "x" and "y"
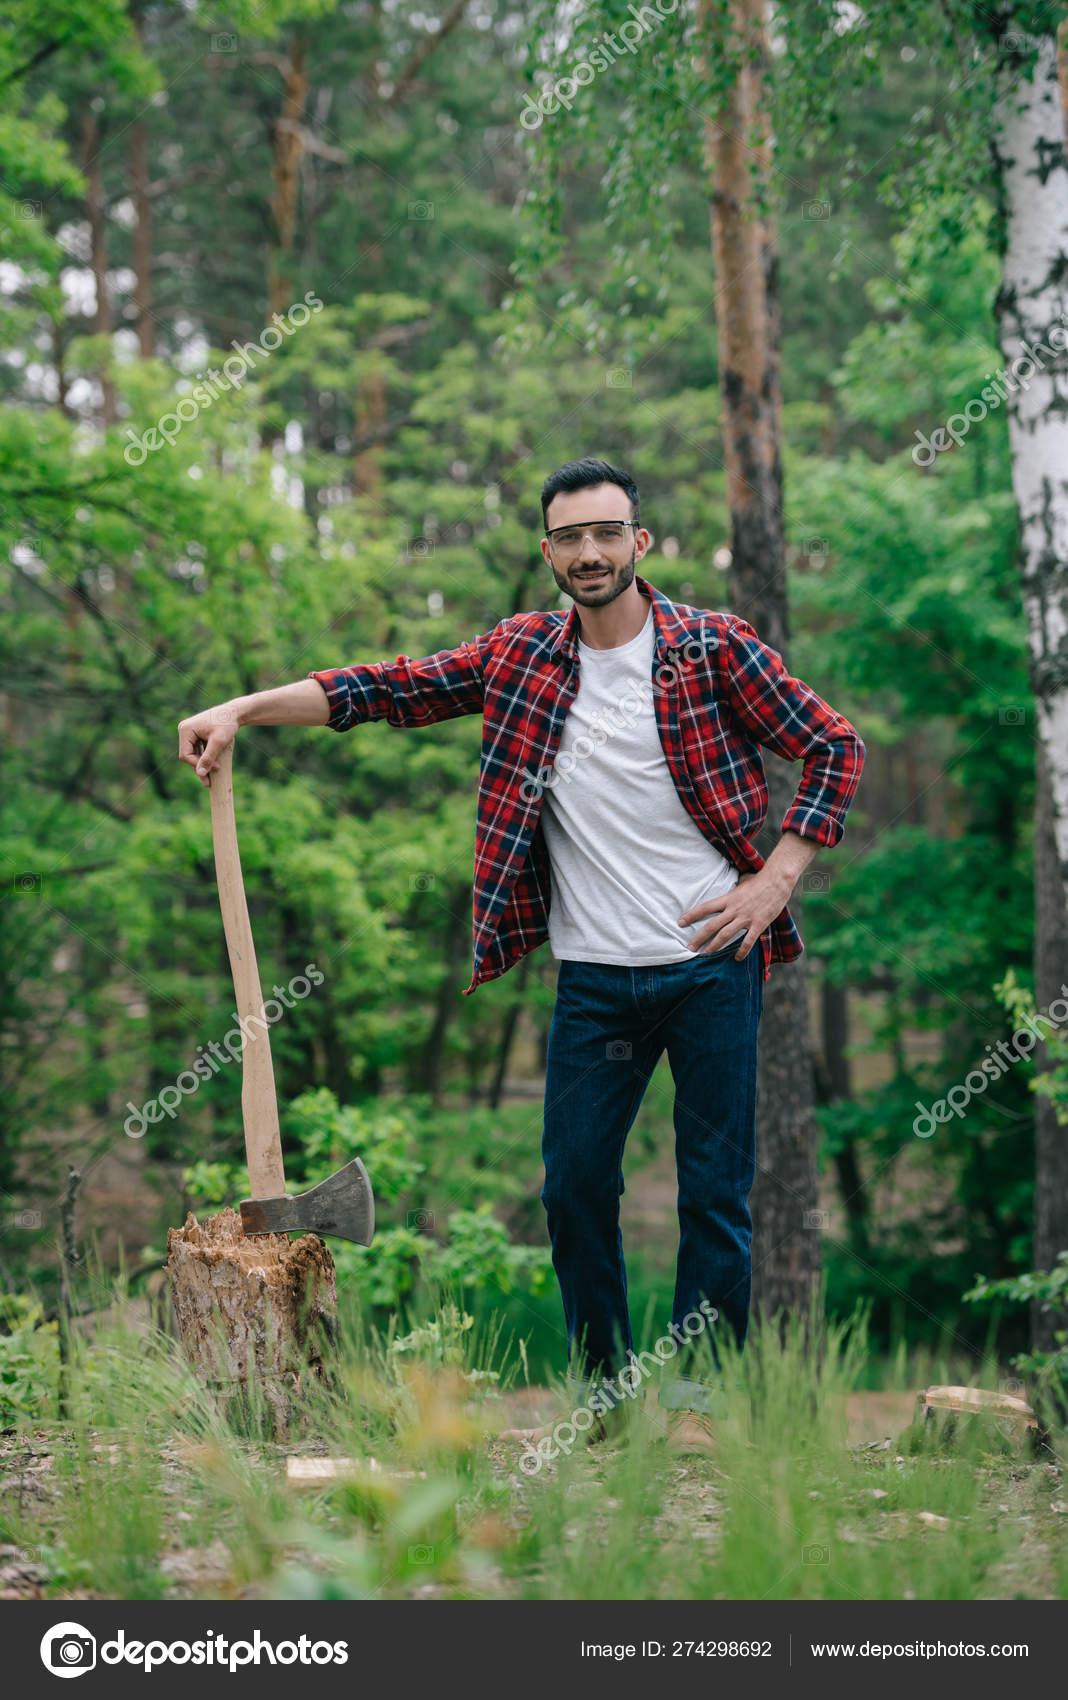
{"x": 583, "y": 475}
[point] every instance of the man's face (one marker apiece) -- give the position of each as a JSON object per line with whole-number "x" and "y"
{"x": 599, "y": 571}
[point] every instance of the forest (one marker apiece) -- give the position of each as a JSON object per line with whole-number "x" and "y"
{"x": 300, "y": 303}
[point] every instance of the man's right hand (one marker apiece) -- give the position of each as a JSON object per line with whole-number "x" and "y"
{"x": 203, "y": 737}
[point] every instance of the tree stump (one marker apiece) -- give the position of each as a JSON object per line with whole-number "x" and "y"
{"x": 256, "y": 1314}
{"x": 1002, "y": 1415}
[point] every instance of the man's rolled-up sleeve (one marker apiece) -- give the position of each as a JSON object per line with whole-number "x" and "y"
{"x": 791, "y": 720}
{"x": 406, "y": 692}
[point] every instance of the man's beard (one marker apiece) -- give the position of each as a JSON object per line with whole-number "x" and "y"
{"x": 598, "y": 595}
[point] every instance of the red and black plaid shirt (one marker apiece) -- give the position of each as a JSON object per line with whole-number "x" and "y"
{"x": 719, "y": 693}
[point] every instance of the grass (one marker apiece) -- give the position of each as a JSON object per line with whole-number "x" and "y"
{"x": 146, "y": 1491}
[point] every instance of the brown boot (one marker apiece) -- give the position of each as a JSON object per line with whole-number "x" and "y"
{"x": 691, "y": 1432}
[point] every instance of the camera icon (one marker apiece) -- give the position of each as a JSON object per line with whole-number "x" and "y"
{"x": 816, "y": 548}
{"x": 420, "y": 1219}
{"x": 421, "y": 882}
{"x": 618, "y": 378}
{"x": 617, "y": 1050}
{"x": 421, "y": 546}
{"x": 815, "y": 881}
{"x": 817, "y": 1219}
{"x": 1016, "y": 1388}
{"x": 815, "y": 1555}
{"x": 1012, "y": 717}
{"x": 68, "y": 1649}
{"x": 225, "y": 42}
{"x": 28, "y": 1219}
{"x": 815, "y": 209}
{"x": 420, "y": 1555}
{"x": 422, "y": 210}
{"x": 29, "y": 209}
{"x": 27, "y": 884}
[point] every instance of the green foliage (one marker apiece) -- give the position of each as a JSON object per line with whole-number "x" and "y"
{"x": 450, "y": 1341}
{"x": 1048, "y": 1285}
{"x": 1052, "y": 1082}
{"x": 830, "y": 63}
{"x": 462, "y": 1249}
{"x": 1048, "y": 1288}
{"x": 439, "y": 1341}
{"x": 29, "y": 1358}
{"x": 372, "y": 489}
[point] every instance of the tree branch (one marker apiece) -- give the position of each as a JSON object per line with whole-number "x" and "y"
{"x": 277, "y": 61}
{"x": 36, "y": 59}
{"x": 311, "y": 143}
{"x": 380, "y": 433}
{"x": 423, "y": 51}
{"x": 153, "y": 773}
{"x": 390, "y": 335}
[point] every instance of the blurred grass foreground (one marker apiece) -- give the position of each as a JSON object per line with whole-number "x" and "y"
{"x": 123, "y": 1479}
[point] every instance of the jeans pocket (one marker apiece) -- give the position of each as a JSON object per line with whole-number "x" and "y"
{"x": 730, "y": 949}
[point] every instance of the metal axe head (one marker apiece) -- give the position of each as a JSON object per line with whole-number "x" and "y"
{"x": 343, "y": 1206}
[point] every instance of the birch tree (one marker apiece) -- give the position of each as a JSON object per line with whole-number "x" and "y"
{"x": 1002, "y": 133}
{"x": 1028, "y": 148}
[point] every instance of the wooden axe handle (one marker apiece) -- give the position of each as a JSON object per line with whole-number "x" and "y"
{"x": 259, "y": 1103}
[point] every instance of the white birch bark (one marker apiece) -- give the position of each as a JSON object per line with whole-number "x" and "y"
{"x": 1028, "y": 144}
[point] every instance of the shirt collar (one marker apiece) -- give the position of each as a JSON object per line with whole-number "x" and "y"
{"x": 670, "y": 631}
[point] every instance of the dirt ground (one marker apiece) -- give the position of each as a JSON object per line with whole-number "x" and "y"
{"x": 869, "y": 1416}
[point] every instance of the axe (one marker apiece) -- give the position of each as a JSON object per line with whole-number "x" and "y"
{"x": 343, "y": 1205}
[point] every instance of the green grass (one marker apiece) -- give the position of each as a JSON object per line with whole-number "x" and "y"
{"x": 147, "y": 1491}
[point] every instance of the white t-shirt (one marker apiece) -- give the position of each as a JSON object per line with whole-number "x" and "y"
{"x": 626, "y": 859}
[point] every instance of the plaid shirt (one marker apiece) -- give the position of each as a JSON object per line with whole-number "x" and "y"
{"x": 719, "y": 693}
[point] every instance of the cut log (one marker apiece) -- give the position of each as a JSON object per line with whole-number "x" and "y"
{"x": 313, "y": 1472}
{"x": 256, "y": 1314}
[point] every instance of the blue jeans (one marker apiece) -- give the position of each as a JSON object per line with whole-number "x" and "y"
{"x": 610, "y": 1027}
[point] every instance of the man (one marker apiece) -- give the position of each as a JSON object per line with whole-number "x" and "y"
{"x": 620, "y": 787}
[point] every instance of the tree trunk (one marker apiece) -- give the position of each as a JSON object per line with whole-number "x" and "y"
{"x": 142, "y": 233}
{"x": 59, "y": 361}
{"x": 833, "y": 1084}
{"x": 785, "y": 1198}
{"x": 428, "y": 1069}
{"x": 738, "y": 149}
{"x": 546, "y": 973}
{"x": 1062, "y": 66}
{"x": 142, "y": 238}
{"x": 369, "y": 410}
{"x": 508, "y": 1031}
{"x": 288, "y": 152}
{"x": 256, "y": 1315}
{"x": 1028, "y": 145}
{"x": 67, "y": 1306}
{"x": 98, "y": 240}
{"x": 370, "y": 418}
{"x": 1051, "y": 1137}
